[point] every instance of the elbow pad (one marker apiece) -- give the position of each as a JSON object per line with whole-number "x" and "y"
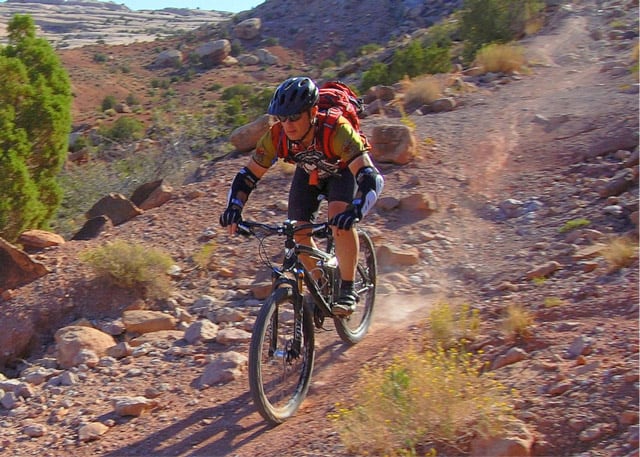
{"x": 242, "y": 185}
{"x": 370, "y": 185}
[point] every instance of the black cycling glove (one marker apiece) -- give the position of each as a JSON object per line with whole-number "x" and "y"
{"x": 346, "y": 219}
{"x": 370, "y": 184}
{"x": 231, "y": 215}
{"x": 242, "y": 185}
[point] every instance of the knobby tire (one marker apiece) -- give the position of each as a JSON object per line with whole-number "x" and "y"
{"x": 353, "y": 329}
{"x": 278, "y": 386}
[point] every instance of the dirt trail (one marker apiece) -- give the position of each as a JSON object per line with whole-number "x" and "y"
{"x": 489, "y": 149}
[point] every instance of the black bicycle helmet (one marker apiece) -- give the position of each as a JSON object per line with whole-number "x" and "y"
{"x": 293, "y": 96}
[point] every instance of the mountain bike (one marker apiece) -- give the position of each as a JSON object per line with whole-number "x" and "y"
{"x": 282, "y": 351}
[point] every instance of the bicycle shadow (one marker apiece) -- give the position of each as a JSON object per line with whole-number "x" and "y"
{"x": 223, "y": 436}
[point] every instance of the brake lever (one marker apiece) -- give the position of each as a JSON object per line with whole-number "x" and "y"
{"x": 243, "y": 230}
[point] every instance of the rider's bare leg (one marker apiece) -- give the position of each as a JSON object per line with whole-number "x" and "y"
{"x": 346, "y": 244}
{"x": 304, "y": 238}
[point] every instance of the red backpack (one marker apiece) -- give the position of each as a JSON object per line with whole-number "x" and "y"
{"x": 336, "y": 99}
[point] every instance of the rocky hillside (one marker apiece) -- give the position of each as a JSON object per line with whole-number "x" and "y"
{"x": 338, "y": 25}
{"x": 523, "y": 187}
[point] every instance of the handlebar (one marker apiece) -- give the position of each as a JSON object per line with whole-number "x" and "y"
{"x": 287, "y": 228}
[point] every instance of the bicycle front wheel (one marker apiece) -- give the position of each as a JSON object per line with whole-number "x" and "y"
{"x": 354, "y": 327}
{"x": 281, "y": 357}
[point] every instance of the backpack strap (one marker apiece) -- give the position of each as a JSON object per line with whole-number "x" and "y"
{"x": 328, "y": 120}
{"x": 280, "y": 142}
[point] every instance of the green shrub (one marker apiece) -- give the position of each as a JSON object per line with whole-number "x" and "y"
{"x": 368, "y": 49}
{"x": 109, "y": 102}
{"x": 414, "y": 60}
{"x": 131, "y": 266}
{"x": 243, "y": 103}
{"x": 205, "y": 258}
{"x": 124, "y": 129}
{"x": 495, "y": 21}
{"x": 327, "y": 63}
{"x": 100, "y": 58}
{"x": 132, "y": 100}
{"x": 237, "y": 90}
{"x": 377, "y": 74}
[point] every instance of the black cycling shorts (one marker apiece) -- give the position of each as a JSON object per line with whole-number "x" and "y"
{"x": 303, "y": 197}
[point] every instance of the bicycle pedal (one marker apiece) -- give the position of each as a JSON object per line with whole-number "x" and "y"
{"x": 318, "y": 320}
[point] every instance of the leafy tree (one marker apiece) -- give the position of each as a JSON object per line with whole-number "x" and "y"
{"x": 35, "y": 122}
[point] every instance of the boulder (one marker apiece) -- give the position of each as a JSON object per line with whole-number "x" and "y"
{"x": 169, "y": 58}
{"x": 265, "y": 57}
{"x": 115, "y": 206}
{"x": 393, "y": 143}
{"x": 73, "y": 342}
{"x": 248, "y": 59}
{"x": 39, "y": 239}
{"x": 93, "y": 227}
{"x": 152, "y": 195}
{"x": 213, "y": 53}
{"x": 248, "y": 29}
{"x": 245, "y": 138}
{"x": 18, "y": 268}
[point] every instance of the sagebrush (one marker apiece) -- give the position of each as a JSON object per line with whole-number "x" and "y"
{"x": 423, "y": 401}
{"x": 132, "y": 266}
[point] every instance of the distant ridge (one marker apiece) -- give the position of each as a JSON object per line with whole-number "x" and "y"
{"x": 75, "y": 23}
{"x": 92, "y": 3}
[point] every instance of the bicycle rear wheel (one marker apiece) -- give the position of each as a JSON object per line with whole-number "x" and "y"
{"x": 279, "y": 371}
{"x": 354, "y": 327}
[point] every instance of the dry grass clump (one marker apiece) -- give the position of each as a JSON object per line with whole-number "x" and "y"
{"x": 500, "y": 58}
{"x": 131, "y": 266}
{"x": 620, "y": 252}
{"x": 439, "y": 398}
{"x": 451, "y": 325}
{"x": 517, "y": 321}
{"x": 206, "y": 256}
{"x": 423, "y": 90}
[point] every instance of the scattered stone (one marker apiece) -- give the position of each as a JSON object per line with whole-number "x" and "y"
{"x": 91, "y": 431}
{"x": 132, "y": 406}
{"x": 223, "y": 368}
{"x": 73, "y": 340}
{"x": 144, "y": 321}
{"x": 203, "y": 330}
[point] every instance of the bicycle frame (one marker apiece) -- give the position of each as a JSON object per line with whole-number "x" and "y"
{"x": 293, "y": 273}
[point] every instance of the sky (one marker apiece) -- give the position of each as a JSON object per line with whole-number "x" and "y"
{"x": 232, "y": 6}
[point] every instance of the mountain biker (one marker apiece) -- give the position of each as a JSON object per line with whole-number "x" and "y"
{"x": 347, "y": 178}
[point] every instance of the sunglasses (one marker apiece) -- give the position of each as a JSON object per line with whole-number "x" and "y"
{"x": 290, "y": 118}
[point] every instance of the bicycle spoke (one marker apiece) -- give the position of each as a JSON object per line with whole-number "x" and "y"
{"x": 280, "y": 362}
{"x": 353, "y": 328}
